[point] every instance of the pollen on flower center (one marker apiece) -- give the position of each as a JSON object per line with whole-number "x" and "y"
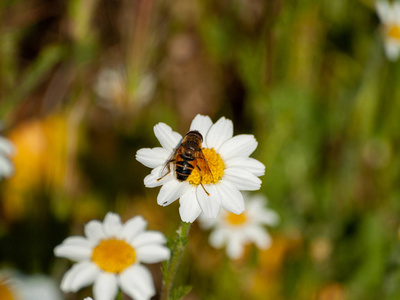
{"x": 113, "y": 255}
{"x": 235, "y": 219}
{"x": 211, "y": 168}
{"x": 394, "y": 32}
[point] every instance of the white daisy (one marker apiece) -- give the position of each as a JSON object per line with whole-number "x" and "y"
{"x": 231, "y": 170}
{"x": 6, "y": 150}
{"x": 389, "y": 14}
{"x": 110, "y": 256}
{"x": 235, "y": 231}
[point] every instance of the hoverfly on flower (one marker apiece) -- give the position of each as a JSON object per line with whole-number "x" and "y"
{"x": 217, "y": 161}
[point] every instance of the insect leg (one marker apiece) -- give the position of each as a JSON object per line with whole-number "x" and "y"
{"x": 201, "y": 179}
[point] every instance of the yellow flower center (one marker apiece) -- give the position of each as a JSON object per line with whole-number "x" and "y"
{"x": 394, "y": 32}
{"x": 211, "y": 168}
{"x": 235, "y": 219}
{"x": 5, "y": 292}
{"x": 113, "y": 255}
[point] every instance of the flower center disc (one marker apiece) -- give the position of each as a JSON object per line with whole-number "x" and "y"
{"x": 5, "y": 292}
{"x": 113, "y": 255}
{"x": 211, "y": 168}
{"x": 394, "y": 32}
{"x": 235, "y": 219}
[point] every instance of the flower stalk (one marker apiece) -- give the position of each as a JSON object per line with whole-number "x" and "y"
{"x": 173, "y": 264}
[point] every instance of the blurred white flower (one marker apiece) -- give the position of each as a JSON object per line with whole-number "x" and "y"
{"x": 112, "y": 87}
{"x": 22, "y": 287}
{"x": 6, "y": 150}
{"x": 110, "y": 257}
{"x": 231, "y": 170}
{"x": 235, "y": 231}
{"x": 389, "y": 14}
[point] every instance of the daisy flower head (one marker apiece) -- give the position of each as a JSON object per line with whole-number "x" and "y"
{"x": 6, "y": 150}
{"x": 214, "y": 178}
{"x": 110, "y": 257}
{"x": 389, "y": 15}
{"x": 236, "y": 231}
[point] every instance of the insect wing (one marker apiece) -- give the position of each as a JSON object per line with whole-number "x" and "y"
{"x": 166, "y": 169}
{"x": 200, "y": 155}
{"x": 167, "y": 166}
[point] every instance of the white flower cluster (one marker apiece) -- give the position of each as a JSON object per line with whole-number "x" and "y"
{"x": 110, "y": 255}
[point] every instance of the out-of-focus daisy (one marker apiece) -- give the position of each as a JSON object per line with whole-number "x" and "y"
{"x": 14, "y": 286}
{"x": 6, "y": 150}
{"x": 389, "y": 14}
{"x": 110, "y": 257}
{"x": 117, "y": 93}
{"x": 236, "y": 231}
{"x": 230, "y": 169}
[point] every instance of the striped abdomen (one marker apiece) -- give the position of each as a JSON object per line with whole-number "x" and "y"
{"x": 184, "y": 167}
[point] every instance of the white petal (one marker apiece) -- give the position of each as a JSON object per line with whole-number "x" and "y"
{"x": 137, "y": 282}
{"x": 234, "y": 247}
{"x": 219, "y": 133}
{"x": 79, "y": 241}
{"x": 206, "y": 223}
{"x": 151, "y": 254}
{"x": 210, "y": 204}
{"x": 392, "y": 50}
{"x": 68, "y": 282}
{"x": 133, "y": 227}
{"x": 112, "y": 225}
{"x": 94, "y": 231}
{"x": 168, "y": 139}
{"x": 147, "y": 238}
{"x": 6, "y": 146}
{"x": 267, "y": 217}
{"x": 73, "y": 252}
{"x": 202, "y": 124}
{"x": 383, "y": 10}
{"x": 6, "y": 167}
{"x": 247, "y": 163}
{"x": 152, "y": 157}
{"x": 231, "y": 198}
{"x": 259, "y": 236}
{"x": 171, "y": 191}
{"x": 239, "y": 146}
{"x": 242, "y": 180}
{"x": 151, "y": 180}
{"x": 86, "y": 276}
{"x": 218, "y": 237}
{"x": 396, "y": 11}
{"x": 105, "y": 287}
{"x": 189, "y": 208}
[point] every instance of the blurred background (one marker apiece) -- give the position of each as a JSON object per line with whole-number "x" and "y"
{"x": 83, "y": 82}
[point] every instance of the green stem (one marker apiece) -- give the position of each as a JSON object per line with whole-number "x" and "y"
{"x": 179, "y": 246}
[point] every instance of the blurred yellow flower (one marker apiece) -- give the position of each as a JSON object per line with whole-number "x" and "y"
{"x": 40, "y": 162}
{"x": 6, "y": 292}
{"x": 267, "y": 281}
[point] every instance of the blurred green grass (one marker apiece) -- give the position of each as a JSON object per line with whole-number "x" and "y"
{"x": 308, "y": 78}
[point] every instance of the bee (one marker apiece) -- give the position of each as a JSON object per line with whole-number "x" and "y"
{"x": 185, "y": 158}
